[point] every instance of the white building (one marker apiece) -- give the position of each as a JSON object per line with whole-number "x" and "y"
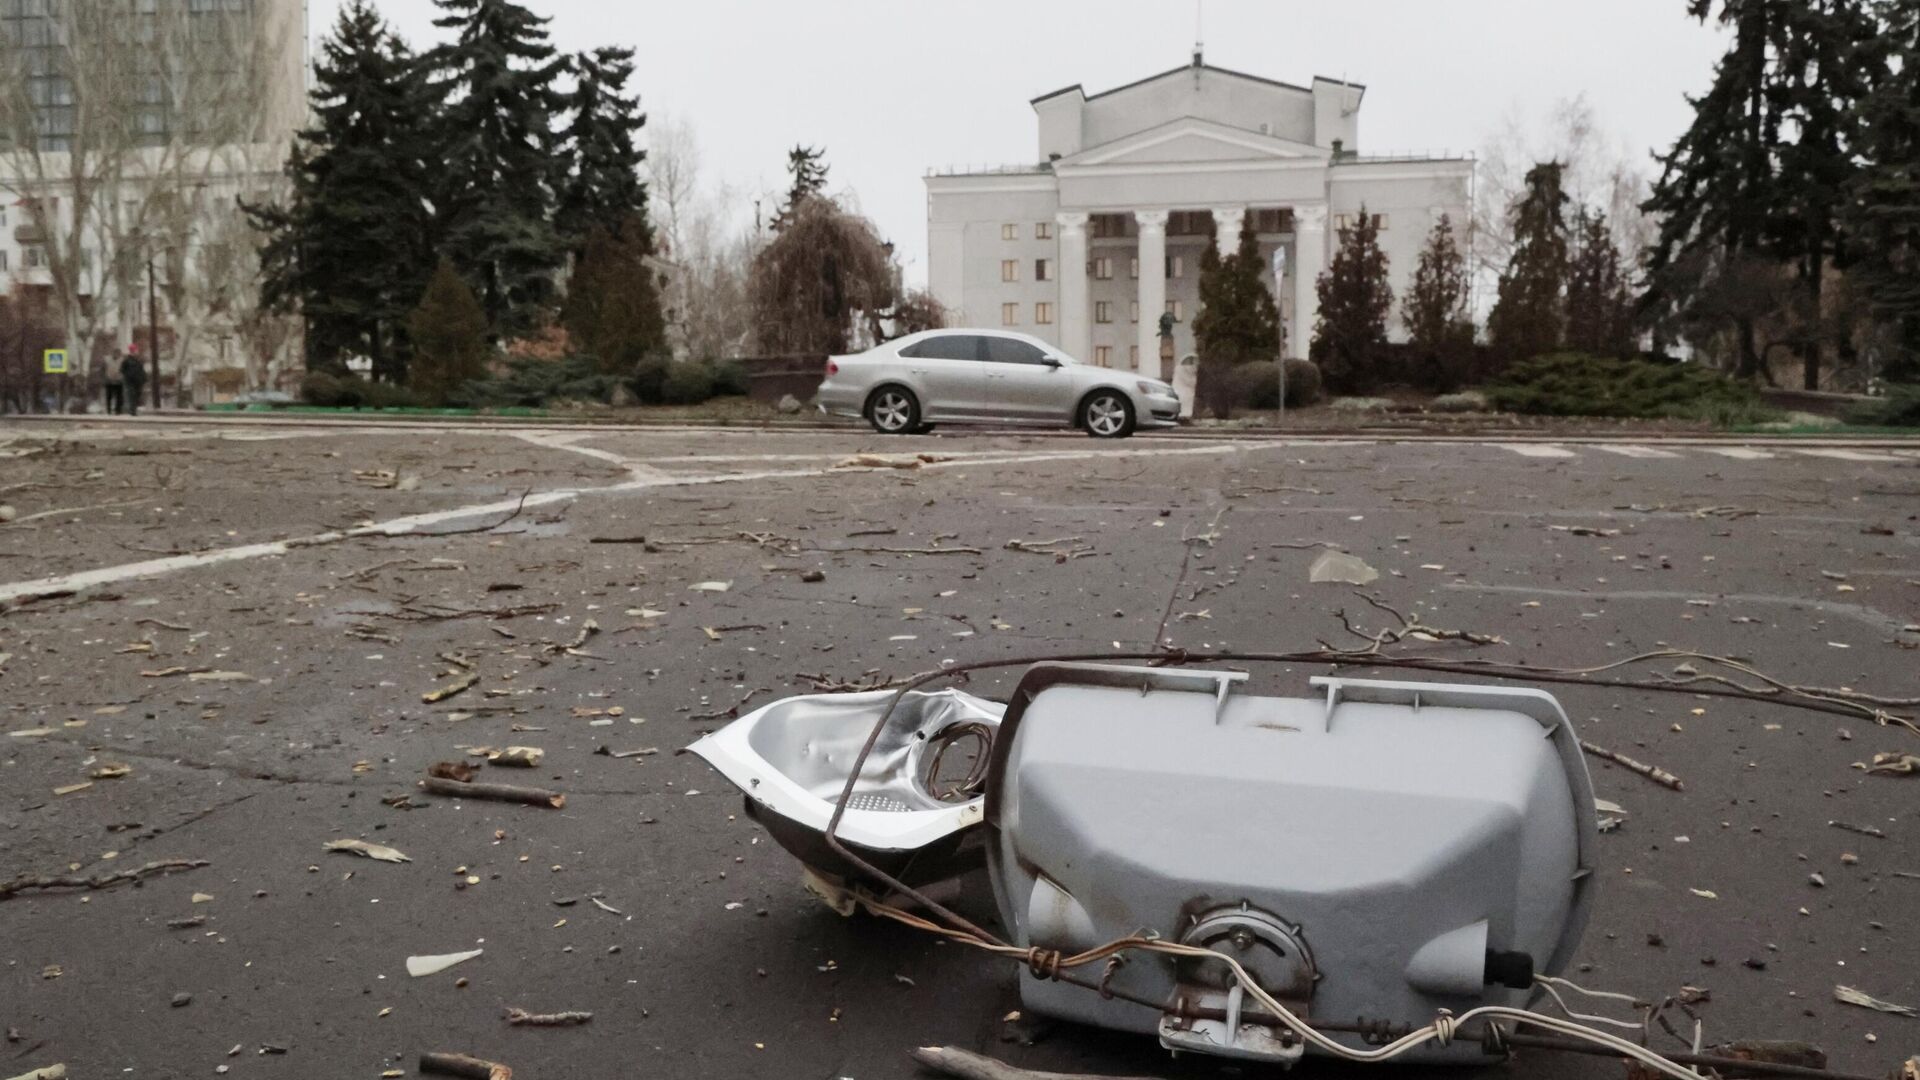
{"x": 1088, "y": 248}
{"x": 128, "y": 136}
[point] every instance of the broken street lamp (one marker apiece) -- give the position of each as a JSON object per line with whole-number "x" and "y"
{"x": 1388, "y": 851}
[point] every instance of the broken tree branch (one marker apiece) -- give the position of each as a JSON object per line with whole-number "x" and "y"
{"x": 523, "y": 1018}
{"x": 1652, "y": 772}
{"x": 497, "y": 792}
{"x": 19, "y": 885}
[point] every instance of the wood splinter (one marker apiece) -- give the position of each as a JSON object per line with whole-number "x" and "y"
{"x": 523, "y": 1018}
{"x": 967, "y": 1065}
{"x": 462, "y": 1065}
{"x": 497, "y": 792}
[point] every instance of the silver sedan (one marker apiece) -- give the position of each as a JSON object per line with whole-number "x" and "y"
{"x": 990, "y": 376}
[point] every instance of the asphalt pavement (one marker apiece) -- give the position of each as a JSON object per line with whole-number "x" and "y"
{"x": 216, "y": 642}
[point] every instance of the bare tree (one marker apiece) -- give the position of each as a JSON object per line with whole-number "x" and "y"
{"x": 706, "y": 298}
{"x": 1599, "y": 170}
{"x": 122, "y": 124}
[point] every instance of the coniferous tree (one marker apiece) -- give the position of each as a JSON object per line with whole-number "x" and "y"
{"x": 1529, "y": 316}
{"x": 603, "y": 187}
{"x": 498, "y": 148}
{"x": 1434, "y": 311}
{"x": 1884, "y": 212}
{"x": 1238, "y": 320}
{"x": 612, "y": 308}
{"x": 351, "y": 249}
{"x": 449, "y": 331}
{"x": 807, "y": 167}
{"x": 1355, "y": 300}
{"x": 1599, "y": 298}
{"x": 1760, "y": 174}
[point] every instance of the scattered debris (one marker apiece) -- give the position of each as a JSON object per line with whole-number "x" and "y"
{"x": 497, "y": 792}
{"x": 1583, "y": 530}
{"x": 733, "y": 710}
{"x": 19, "y": 885}
{"x": 1892, "y": 763}
{"x": 645, "y": 751}
{"x": 1063, "y": 548}
{"x": 967, "y": 1065}
{"x": 1652, "y": 772}
{"x": 1339, "y": 568}
{"x": 420, "y": 966}
{"x": 606, "y": 907}
{"x": 1705, "y": 894}
{"x": 1847, "y": 995}
{"x": 110, "y": 771}
{"x": 523, "y": 1018}
{"x": 813, "y": 576}
{"x": 1863, "y": 830}
{"x": 379, "y": 852}
{"x": 454, "y": 770}
{"x": 462, "y": 1065}
{"x": 522, "y": 757}
{"x": 462, "y": 682}
{"x": 1611, "y": 814}
{"x": 710, "y": 586}
{"x": 49, "y": 1072}
{"x": 1410, "y": 628}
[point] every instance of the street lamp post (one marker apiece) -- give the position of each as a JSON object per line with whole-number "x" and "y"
{"x": 153, "y": 332}
{"x": 1279, "y": 290}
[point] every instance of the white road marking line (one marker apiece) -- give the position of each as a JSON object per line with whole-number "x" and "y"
{"x": 1739, "y": 453}
{"x": 1628, "y": 450}
{"x": 1842, "y": 455}
{"x": 401, "y": 526}
{"x": 1536, "y": 450}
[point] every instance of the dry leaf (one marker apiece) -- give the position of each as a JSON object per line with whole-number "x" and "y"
{"x": 381, "y": 852}
{"x": 110, "y": 772}
{"x": 1847, "y": 995}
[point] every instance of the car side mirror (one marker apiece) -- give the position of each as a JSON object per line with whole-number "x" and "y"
{"x": 1052, "y": 361}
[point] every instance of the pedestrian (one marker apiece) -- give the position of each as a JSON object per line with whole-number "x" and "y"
{"x": 134, "y": 374}
{"x": 116, "y": 392}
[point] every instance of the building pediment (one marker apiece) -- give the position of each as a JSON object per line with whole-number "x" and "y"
{"x": 1191, "y": 139}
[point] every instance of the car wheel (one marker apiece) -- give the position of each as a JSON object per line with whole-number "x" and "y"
{"x": 1107, "y": 415}
{"x": 892, "y": 410}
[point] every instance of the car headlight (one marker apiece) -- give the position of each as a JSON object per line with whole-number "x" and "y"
{"x": 1153, "y": 387}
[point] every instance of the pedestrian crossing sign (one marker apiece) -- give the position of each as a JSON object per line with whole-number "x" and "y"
{"x": 54, "y": 361}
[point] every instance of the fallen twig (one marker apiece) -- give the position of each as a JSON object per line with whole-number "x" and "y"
{"x": 523, "y": 1018}
{"x": 734, "y": 710}
{"x": 489, "y": 527}
{"x": 462, "y": 1065}
{"x": 967, "y": 1065}
{"x": 1063, "y": 548}
{"x": 498, "y": 792}
{"x": 464, "y": 681}
{"x": 1410, "y": 627}
{"x": 24, "y": 518}
{"x": 1652, "y": 772}
{"x": 1863, "y": 830}
{"x": 19, "y": 885}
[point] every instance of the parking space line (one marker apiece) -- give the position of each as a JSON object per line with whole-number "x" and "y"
{"x": 1739, "y": 453}
{"x": 1842, "y": 455}
{"x": 1629, "y": 450}
{"x": 1536, "y": 450}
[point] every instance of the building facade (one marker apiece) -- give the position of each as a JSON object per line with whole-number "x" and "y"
{"x": 1088, "y": 248}
{"x": 130, "y": 131}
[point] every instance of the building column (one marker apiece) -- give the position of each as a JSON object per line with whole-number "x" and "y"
{"x": 1076, "y": 339}
{"x": 1309, "y": 259}
{"x": 1227, "y": 221}
{"x": 1153, "y": 285}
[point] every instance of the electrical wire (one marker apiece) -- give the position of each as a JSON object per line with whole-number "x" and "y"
{"x": 1044, "y": 963}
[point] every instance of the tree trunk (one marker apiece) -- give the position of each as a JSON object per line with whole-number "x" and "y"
{"x": 1749, "y": 353}
{"x": 1811, "y": 271}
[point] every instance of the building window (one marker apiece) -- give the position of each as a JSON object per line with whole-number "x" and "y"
{"x": 1189, "y": 222}
{"x": 33, "y": 258}
{"x": 1010, "y": 231}
{"x": 1009, "y": 314}
{"x": 1110, "y": 226}
{"x": 3, "y": 261}
{"x": 1043, "y": 230}
{"x": 1103, "y": 355}
{"x": 1102, "y": 311}
{"x": 1009, "y": 269}
{"x": 1133, "y": 357}
{"x": 1133, "y": 268}
{"x": 1176, "y": 266}
{"x": 1043, "y": 314}
{"x": 1177, "y": 310}
{"x": 1273, "y": 220}
{"x": 1042, "y": 270}
{"x": 1102, "y": 268}
{"x": 1133, "y": 311}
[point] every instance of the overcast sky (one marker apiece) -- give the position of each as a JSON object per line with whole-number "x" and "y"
{"x": 893, "y": 87}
